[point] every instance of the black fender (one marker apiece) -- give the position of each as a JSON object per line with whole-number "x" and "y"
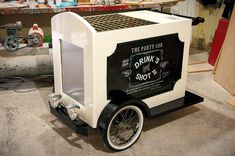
{"x": 117, "y": 103}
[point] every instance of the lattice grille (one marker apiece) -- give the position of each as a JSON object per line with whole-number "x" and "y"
{"x": 115, "y": 21}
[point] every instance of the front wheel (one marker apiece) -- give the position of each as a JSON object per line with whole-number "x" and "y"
{"x": 124, "y": 128}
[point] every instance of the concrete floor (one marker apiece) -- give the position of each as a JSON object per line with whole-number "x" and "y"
{"x": 208, "y": 129}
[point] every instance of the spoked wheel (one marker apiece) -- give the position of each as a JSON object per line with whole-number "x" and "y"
{"x": 124, "y": 128}
{"x": 11, "y": 43}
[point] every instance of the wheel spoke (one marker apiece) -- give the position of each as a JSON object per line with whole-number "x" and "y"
{"x": 126, "y": 113}
{"x": 116, "y": 120}
{"x": 132, "y": 117}
{"x": 115, "y": 129}
{"x": 122, "y": 115}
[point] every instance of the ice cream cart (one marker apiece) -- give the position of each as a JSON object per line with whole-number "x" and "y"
{"x": 113, "y": 70}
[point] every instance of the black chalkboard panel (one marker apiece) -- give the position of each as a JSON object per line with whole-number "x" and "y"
{"x": 146, "y": 67}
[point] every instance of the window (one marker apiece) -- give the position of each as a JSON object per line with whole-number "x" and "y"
{"x": 72, "y": 71}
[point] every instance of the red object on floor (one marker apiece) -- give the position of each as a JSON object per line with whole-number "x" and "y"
{"x": 218, "y": 40}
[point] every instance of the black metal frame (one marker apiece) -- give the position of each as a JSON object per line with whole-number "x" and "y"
{"x": 78, "y": 126}
{"x": 188, "y": 100}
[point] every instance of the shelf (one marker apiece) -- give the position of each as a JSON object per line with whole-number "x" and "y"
{"x": 90, "y": 8}
{"x": 31, "y": 11}
{"x": 80, "y": 8}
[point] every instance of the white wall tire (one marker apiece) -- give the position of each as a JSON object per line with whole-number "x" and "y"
{"x": 124, "y": 128}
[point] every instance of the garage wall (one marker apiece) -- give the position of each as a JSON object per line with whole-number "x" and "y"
{"x": 204, "y": 31}
{"x": 212, "y": 15}
{"x": 186, "y": 8}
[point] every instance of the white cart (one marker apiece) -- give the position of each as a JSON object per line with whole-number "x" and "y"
{"x": 113, "y": 70}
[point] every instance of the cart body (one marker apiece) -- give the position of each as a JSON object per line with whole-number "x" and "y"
{"x": 96, "y": 59}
